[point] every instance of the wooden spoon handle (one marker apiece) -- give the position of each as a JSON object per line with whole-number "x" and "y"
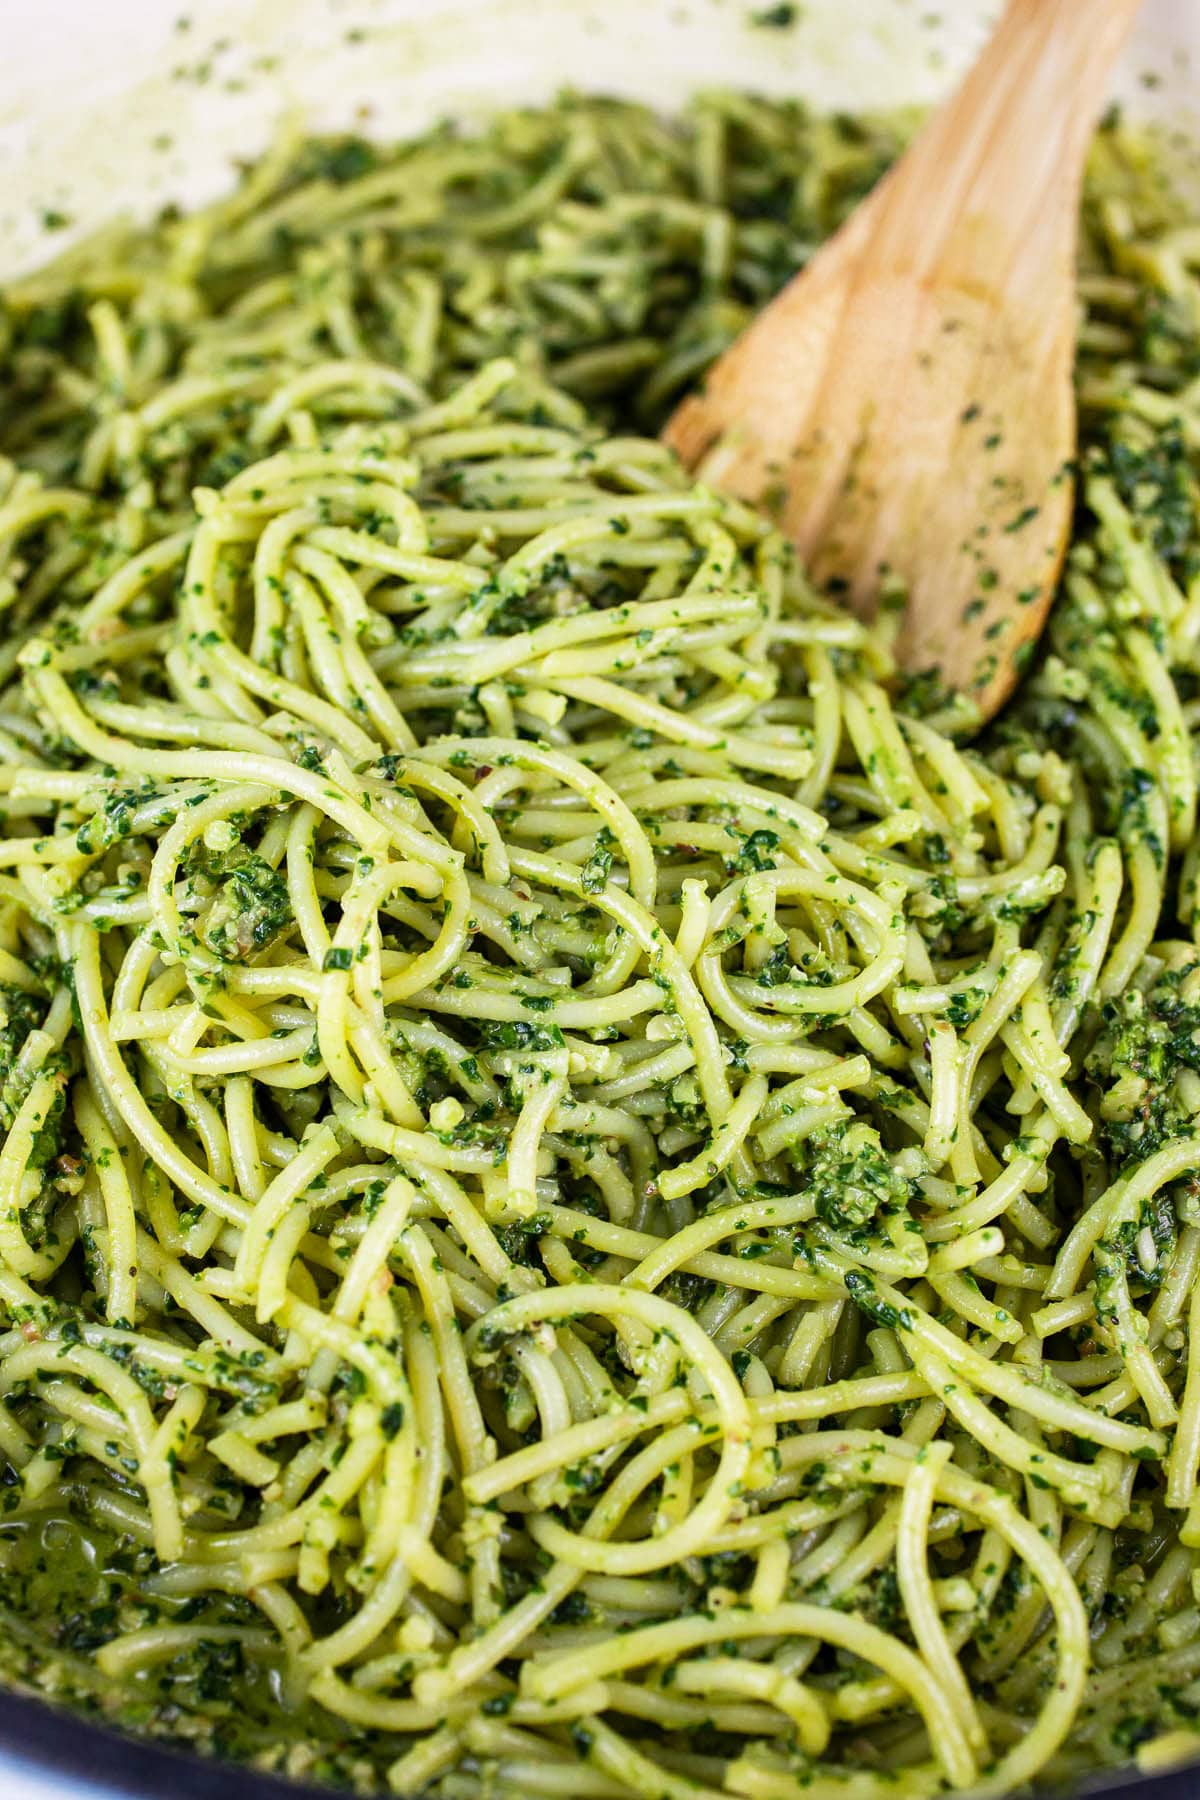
{"x": 1002, "y": 163}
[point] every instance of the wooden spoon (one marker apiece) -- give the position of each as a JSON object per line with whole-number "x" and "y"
{"x": 905, "y": 406}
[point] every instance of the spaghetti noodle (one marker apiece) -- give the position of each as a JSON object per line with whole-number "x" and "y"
{"x": 589, "y": 1203}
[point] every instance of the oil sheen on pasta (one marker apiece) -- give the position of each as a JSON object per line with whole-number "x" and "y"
{"x": 589, "y": 1205}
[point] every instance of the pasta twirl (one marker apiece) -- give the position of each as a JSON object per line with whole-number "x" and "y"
{"x": 590, "y": 1200}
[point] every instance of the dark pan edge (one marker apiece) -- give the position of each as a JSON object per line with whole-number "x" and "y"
{"x": 110, "y": 1765}
{"x": 115, "y": 1766}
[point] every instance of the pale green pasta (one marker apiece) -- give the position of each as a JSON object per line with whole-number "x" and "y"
{"x": 590, "y": 1203}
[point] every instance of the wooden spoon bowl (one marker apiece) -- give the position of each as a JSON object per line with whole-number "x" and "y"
{"x": 905, "y": 406}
